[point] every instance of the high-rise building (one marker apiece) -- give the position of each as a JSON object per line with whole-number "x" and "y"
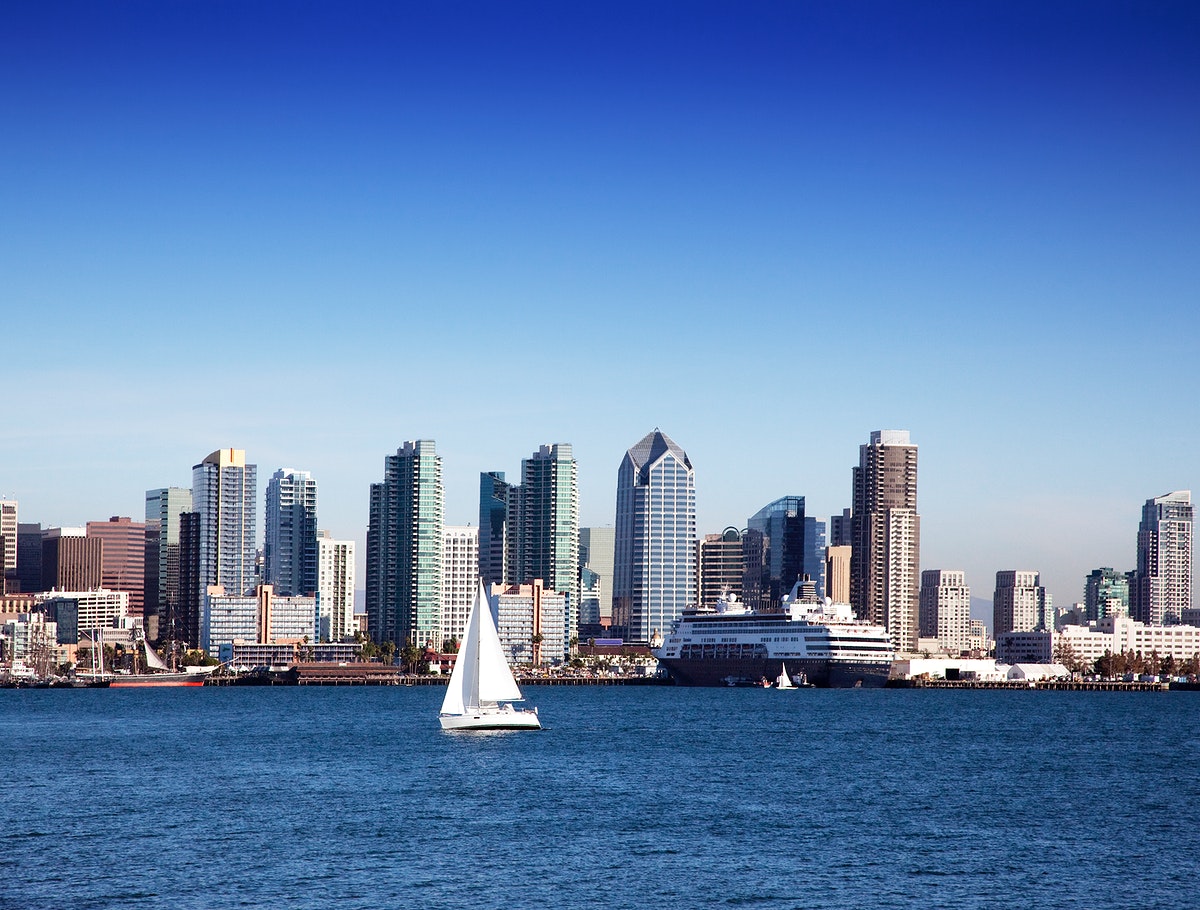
{"x": 837, "y": 573}
{"x": 123, "y": 560}
{"x": 404, "y": 548}
{"x": 945, "y": 608}
{"x": 886, "y": 549}
{"x": 1020, "y": 603}
{"x": 290, "y": 546}
{"x": 1162, "y": 588}
{"x": 595, "y": 595}
{"x": 792, "y": 547}
{"x": 71, "y": 561}
{"x": 543, "y": 526}
{"x": 654, "y": 560}
{"x": 29, "y": 556}
{"x": 493, "y": 517}
{"x": 8, "y": 538}
{"x": 720, "y": 564}
{"x": 162, "y": 575}
{"x": 335, "y": 586}
{"x": 460, "y": 578}
{"x": 841, "y": 530}
{"x": 1105, "y": 593}
{"x": 185, "y": 618}
{"x": 224, "y": 495}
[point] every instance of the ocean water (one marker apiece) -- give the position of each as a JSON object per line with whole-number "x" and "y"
{"x": 630, "y": 798}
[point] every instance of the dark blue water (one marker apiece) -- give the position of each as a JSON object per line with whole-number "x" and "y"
{"x": 632, "y": 797}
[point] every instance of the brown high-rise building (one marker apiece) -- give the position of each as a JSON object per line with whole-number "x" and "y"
{"x": 123, "y": 567}
{"x": 886, "y": 547}
{"x": 720, "y": 564}
{"x": 71, "y": 561}
{"x": 837, "y": 573}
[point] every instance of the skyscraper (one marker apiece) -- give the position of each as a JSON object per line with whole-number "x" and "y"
{"x": 70, "y": 561}
{"x": 8, "y": 539}
{"x": 162, "y": 588}
{"x": 460, "y": 578}
{"x": 290, "y": 546}
{"x": 945, "y": 611}
{"x": 224, "y": 496}
{"x": 792, "y": 546}
{"x": 123, "y": 560}
{"x": 596, "y": 558}
{"x": 493, "y": 516}
{"x": 404, "y": 548}
{"x": 1106, "y": 593}
{"x": 335, "y": 585}
{"x": 543, "y": 526}
{"x": 1020, "y": 603}
{"x": 886, "y": 549}
{"x": 654, "y": 544}
{"x": 1162, "y": 587}
{"x": 720, "y": 564}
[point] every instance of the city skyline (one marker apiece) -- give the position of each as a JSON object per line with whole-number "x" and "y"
{"x": 977, "y": 224}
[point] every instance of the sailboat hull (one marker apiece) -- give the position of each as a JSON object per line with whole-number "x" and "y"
{"x": 492, "y": 719}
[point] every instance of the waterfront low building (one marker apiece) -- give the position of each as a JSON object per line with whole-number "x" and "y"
{"x": 259, "y": 617}
{"x": 531, "y": 622}
{"x": 79, "y": 612}
{"x": 1025, "y": 647}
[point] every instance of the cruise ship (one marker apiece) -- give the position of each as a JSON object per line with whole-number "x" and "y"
{"x": 731, "y": 645}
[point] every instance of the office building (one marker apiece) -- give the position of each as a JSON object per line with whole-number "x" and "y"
{"x": 29, "y": 557}
{"x": 404, "y": 548}
{"x": 837, "y": 573}
{"x": 1162, "y": 588}
{"x": 1020, "y": 603}
{"x": 224, "y": 497}
{"x": 595, "y": 580}
{"x": 8, "y": 539}
{"x": 720, "y": 564}
{"x": 1105, "y": 593}
{"x": 460, "y": 578}
{"x": 945, "y": 609}
{"x": 335, "y": 587}
{"x": 290, "y": 545}
{"x": 493, "y": 518}
{"x": 123, "y": 558}
{"x": 163, "y": 594}
{"x": 81, "y": 612}
{"x": 886, "y": 547}
{"x": 654, "y": 563}
{"x": 784, "y": 546}
{"x": 841, "y": 530}
{"x": 71, "y": 561}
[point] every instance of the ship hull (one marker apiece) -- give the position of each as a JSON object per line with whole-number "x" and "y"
{"x": 158, "y": 680}
{"x": 823, "y": 673}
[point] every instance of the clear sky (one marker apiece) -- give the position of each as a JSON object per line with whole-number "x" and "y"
{"x": 316, "y": 230}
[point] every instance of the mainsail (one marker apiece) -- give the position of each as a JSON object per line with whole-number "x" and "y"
{"x": 481, "y": 675}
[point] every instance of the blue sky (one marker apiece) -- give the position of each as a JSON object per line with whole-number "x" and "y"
{"x": 316, "y": 230}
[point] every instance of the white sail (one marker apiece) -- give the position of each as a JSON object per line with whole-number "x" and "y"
{"x": 481, "y": 675}
{"x": 784, "y": 681}
{"x": 152, "y": 660}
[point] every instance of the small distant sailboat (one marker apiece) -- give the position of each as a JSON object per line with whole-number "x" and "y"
{"x": 482, "y": 687}
{"x": 783, "y": 681}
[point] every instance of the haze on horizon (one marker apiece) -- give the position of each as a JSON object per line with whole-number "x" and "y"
{"x": 315, "y": 232}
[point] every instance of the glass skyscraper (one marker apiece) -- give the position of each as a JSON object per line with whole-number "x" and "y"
{"x": 792, "y": 546}
{"x": 1162, "y": 588}
{"x": 290, "y": 547}
{"x": 654, "y": 564}
{"x": 224, "y": 493}
{"x": 404, "y": 548}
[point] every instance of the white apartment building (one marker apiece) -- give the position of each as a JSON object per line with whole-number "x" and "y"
{"x": 260, "y": 617}
{"x": 525, "y": 612}
{"x": 945, "y": 608}
{"x": 460, "y": 578}
{"x": 335, "y": 587}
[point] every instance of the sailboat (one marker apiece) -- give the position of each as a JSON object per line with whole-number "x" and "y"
{"x": 784, "y": 681}
{"x": 482, "y": 687}
{"x": 158, "y": 674}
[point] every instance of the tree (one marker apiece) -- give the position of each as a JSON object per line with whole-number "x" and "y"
{"x": 1104, "y": 665}
{"x": 1066, "y": 655}
{"x": 450, "y": 646}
